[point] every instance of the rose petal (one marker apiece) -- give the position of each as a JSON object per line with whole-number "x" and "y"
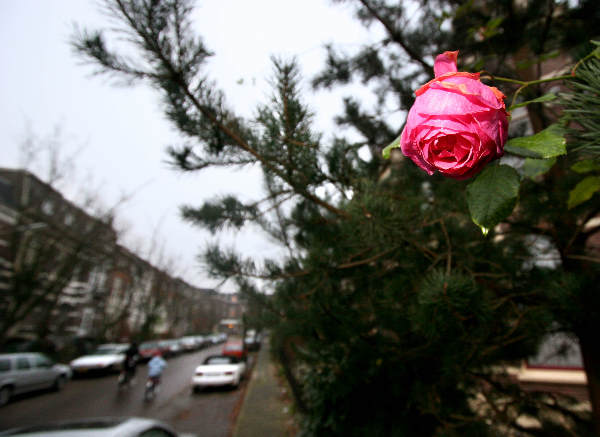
{"x": 445, "y": 63}
{"x": 474, "y": 76}
{"x": 449, "y": 124}
{"x": 440, "y": 99}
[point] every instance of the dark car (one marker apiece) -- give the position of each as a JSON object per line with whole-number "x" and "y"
{"x": 252, "y": 340}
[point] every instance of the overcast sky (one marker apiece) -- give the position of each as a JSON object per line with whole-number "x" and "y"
{"x": 121, "y": 133}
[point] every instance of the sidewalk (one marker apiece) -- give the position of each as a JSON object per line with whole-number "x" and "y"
{"x": 264, "y": 411}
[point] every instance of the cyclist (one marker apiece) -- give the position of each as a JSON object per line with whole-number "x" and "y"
{"x": 130, "y": 362}
{"x": 155, "y": 368}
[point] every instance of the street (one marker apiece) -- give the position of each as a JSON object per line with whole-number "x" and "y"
{"x": 208, "y": 414}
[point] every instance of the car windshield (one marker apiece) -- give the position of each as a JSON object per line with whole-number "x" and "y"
{"x": 234, "y": 347}
{"x": 74, "y": 425}
{"x": 108, "y": 350}
{"x": 219, "y": 360}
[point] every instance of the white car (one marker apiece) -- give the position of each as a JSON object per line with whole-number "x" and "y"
{"x": 106, "y": 358}
{"x": 218, "y": 370}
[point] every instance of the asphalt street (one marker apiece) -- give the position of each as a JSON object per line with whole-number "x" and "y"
{"x": 208, "y": 414}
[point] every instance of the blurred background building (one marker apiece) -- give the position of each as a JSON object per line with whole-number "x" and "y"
{"x": 65, "y": 280}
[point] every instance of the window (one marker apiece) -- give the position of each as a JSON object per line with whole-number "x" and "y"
{"x": 47, "y": 207}
{"x": 83, "y": 272}
{"x": 118, "y": 285}
{"x": 23, "y": 363}
{"x": 42, "y": 362}
{"x": 156, "y": 432}
{"x": 4, "y": 365}
{"x": 558, "y": 351}
{"x": 69, "y": 219}
{"x": 87, "y": 319}
{"x": 220, "y": 360}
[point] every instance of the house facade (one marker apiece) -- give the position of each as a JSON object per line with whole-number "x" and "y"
{"x": 64, "y": 277}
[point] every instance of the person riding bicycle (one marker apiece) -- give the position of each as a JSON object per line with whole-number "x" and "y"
{"x": 155, "y": 368}
{"x": 130, "y": 361}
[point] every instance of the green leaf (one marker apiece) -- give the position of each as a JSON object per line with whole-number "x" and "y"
{"x": 585, "y": 166}
{"x": 583, "y": 191}
{"x": 545, "y": 144}
{"x": 535, "y": 167}
{"x": 545, "y": 98}
{"x": 491, "y": 28}
{"x": 596, "y": 51}
{"x": 388, "y": 150}
{"x": 493, "y": 195}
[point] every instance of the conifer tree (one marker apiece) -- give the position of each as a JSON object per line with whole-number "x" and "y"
{"x": 391, "y": 313}
{"x": 517, "y": 40}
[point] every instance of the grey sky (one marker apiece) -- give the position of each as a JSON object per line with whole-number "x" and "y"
{"x": 42, "y": 85}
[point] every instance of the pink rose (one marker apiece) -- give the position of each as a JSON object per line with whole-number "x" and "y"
{"x": 457, "y": 124}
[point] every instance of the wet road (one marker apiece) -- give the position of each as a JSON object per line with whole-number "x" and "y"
{"x": 208, "y": 414}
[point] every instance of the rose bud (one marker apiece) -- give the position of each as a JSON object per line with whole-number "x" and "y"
{"x": 457, "y": 124}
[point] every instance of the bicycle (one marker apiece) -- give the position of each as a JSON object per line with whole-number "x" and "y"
{"x": 151, "y": 387}
{"x": 125, "y": 378}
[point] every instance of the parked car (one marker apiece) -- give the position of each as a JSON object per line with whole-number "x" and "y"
{"x": 169, "y": 348}
{"x": 252, "y": 340}
{"x": 148, "y": 349}
{"x": 189, "y": 343}
{"x": 202, "y": 341}
{"x": 99, "y": 427}
{"x": 235, "y": 348}
{"x": 25, "y": 372}
{"x": 217, "y": 338}
{"x": 107, "y": 357}
{"x": 218, "y": 370}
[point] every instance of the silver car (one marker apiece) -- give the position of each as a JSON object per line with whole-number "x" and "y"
{"x": 25, "y": 372}
{"x": 99, "y": 427}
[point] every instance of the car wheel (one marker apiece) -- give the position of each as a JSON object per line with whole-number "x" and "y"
{"x": 5, "y": 394}
{"x": 60, "y": 382}
{"x": 195, "y": 389}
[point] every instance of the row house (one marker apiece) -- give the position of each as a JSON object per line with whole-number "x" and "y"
{"x": 49, "y": 249}
{"x": 558, "y": 365}
{"x": 63, "y": 276}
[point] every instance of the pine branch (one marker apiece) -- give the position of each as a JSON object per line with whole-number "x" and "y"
{"x": 172, "y": 75}
{"x": 397, "y": 36}
{"x": 366, "y": 260}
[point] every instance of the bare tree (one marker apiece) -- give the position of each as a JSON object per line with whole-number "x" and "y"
{"x": 51, "y": 245}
